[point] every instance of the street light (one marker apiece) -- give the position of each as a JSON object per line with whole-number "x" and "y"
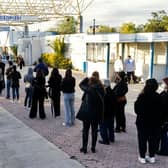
{"x": 93, "y": 26}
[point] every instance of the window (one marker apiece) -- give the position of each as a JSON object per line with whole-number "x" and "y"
{"x": 96, "y": 52}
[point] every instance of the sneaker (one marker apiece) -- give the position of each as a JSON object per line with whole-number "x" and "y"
{"x": 12, "y": 101}
{"x": 65, "y": 125}
{"x": 150, "y": 159}
{"x": 142, "y": 160}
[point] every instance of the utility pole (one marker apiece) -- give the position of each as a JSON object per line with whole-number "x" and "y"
{"x": 93, "y": 26}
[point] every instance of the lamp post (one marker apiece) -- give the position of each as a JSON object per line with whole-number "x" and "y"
{"x": 93, "y": 26}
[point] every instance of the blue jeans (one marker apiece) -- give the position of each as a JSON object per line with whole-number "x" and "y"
{"x": 69, "y": 99}
{"x": 28, "y": 97}
{"x": 8, "y": 85}
{"x": 15, "y": 93}
{"x": 107, "y": 130}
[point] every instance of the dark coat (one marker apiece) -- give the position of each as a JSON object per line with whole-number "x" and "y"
{"x": 15, "y": 76}
{"x": 120, "y": 89}
{"x": 39, "y": 89}
{"x": 55, "y": 85}
{"x": 92, "y": 105}
{"x": 43, "y": 67}
{"x": 147, "y": 107}
{"x": 109, "y": 103}
{"x": 164, "y": 101}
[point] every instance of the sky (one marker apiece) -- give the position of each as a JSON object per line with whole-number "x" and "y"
{"x": 115, "y": 12}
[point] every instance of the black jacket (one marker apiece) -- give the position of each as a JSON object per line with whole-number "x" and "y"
{"x": 109, "y": 103}
{"x": 68, "y": 85}
{"x": 164, "y": 101}
{"x": 55, "y": 85}
{"x": 120, "y": 89}
{"x": 92, "y": 106}
{"x": 148, "y": 110}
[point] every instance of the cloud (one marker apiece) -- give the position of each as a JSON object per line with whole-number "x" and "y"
{"x": 114, "y": 12}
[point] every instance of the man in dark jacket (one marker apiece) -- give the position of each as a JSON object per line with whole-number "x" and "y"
{"x": 41, "y": 66}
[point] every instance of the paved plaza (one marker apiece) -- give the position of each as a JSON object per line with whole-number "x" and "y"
{"x": 26, "y": 143}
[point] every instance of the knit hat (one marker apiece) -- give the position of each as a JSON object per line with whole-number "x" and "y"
{"x": 165, "y": 80}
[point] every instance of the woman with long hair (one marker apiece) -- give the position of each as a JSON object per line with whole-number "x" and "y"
{"x": 68, "y": 89}
{"x": 91, "y": 109}
{"x": 55, "y": 91}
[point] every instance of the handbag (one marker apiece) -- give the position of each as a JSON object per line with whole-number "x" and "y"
{"x": 27, "y": 84}
{"x": 83, "y": 109}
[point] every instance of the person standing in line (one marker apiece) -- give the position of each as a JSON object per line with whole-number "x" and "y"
{"x": 8, "y": 79}
{"x": 68, "y": 89}
{"x": 163, "y": 147}
{"x": 107, "y": 125}
{"x": 15, "y": 83}
{"x": 41, "y": 66}
{"x": 2, "y": 79}
{"x": 129, "y": 67}
{"x": 148, "y": 121}
{"x": 28, "y": 79}
{"x": 91, "y": 109}
{"x": 120, "y": 90}
{"x": 118, "y": 67}
{"x": 55, "y": 91}
{"x": 39, "y": 94}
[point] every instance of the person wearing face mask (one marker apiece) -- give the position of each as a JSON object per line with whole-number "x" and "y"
{"x": 163, "y": 148}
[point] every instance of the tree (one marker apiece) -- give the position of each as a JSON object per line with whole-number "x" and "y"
{"x": 67, "y": 26}
{"x": 105, "y": 29}
{"x": 158, "y": 23}
{"x": 58, "y": 46}
{"x": 128, "y": 28}
{"x": 57, "y": 59}
{"x": 140, "y": 28}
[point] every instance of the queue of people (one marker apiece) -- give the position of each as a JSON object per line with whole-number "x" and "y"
{"x": 102, "y": 107}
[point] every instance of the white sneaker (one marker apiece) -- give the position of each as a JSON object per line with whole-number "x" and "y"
{"x": 64, "y": 124}
{"x": 12, "y": 101}
{"x": 141, "y": 160}
{"x": 150, "y": 159}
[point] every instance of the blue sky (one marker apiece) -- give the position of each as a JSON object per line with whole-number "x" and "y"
{"x": 114, "y": 12}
